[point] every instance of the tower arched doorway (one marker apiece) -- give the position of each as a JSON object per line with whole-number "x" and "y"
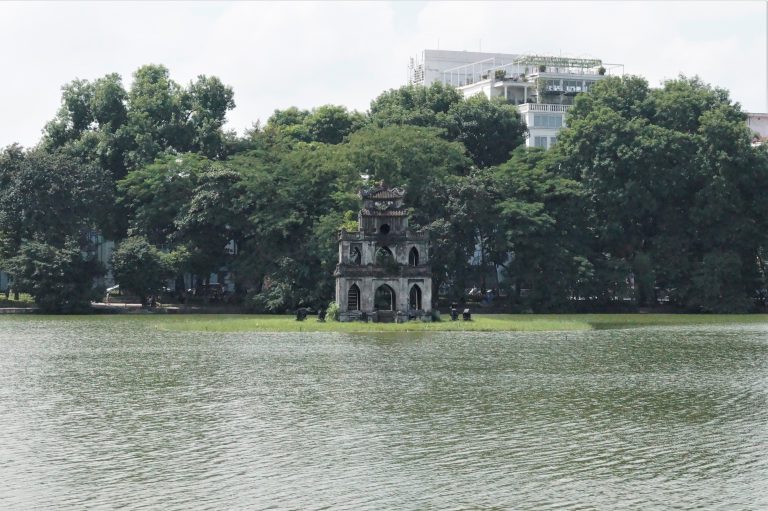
{"x": 414, "y": 300}
{"x": 384, "y": 299}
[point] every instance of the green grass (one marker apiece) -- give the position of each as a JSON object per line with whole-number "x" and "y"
{"x": 481, "y": 322}
{"x": 484, "y": 323}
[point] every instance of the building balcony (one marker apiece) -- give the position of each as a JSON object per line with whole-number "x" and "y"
{"x": 542, "y": 107}
{"x": 370, "y": 270}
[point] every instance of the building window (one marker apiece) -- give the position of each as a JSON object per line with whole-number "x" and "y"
{"x": 552, "y": 141}
{"x": 573, "y": 86}
{"x": 540, "y": 142}
{"x": 547, "y": 121}
{"x": 414, "y": 301}
{"x": 355, "y": 257}
{"x": 413, "y": 257}
{"x": 384, "y": 257}
{"x": 353, "y": 298}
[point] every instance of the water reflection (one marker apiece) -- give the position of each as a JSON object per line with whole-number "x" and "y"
{"x": 632, "y": 419}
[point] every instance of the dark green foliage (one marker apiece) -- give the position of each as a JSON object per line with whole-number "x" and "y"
{"x": 489, "y": 130}
{"x": 414, "y": 105}
{"x": 121, "y": 130}
{"x": 328, "y": 124}
{"x": 49, "y": 205}
{"x": 59, "y": 278}
{"x": 140, "y": 268}
{"x": 52, "y": 196}
{"x": 674, "y": 189}
{"x": 540, "y": 232}
{"x": 155, "y": 194}
{"x": 286, "y": 288}
{"x": 650, "y": 196}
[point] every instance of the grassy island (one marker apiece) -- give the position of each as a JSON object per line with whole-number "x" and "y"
{"x": 480, "y": 322}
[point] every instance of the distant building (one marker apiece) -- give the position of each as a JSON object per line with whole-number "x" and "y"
{"x": 758, "y": 123}
{"x": 541, "y": 87}
{"x": 383, "y": 272}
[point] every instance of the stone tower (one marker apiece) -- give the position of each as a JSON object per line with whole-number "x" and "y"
{"x": 383, "y": 272}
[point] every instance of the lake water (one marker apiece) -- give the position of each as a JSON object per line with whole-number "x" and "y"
{"x": 108, "y": 413}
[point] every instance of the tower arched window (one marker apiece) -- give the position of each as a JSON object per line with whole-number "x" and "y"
{"x": 414, "y": 301}
{"x": 384, "y": 257}
{"x": 413, "y": 257}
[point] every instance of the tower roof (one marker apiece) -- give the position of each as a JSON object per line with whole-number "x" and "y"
{"x": 382, "y": 192}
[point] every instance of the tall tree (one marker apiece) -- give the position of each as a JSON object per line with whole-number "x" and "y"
{"x": 489, "y": 129}
{"x": 58, "y": 277}
{"x": 140, "y": 268}
{"x": 52, "y": 196}
{"x": 50, "y": 205}
{"x": 673, "y": 186}
{"x": 541, "y": 243}
{"x": 414, "y": 105}
{"x": 155, "y": 194}
{"x": 209, "y": 102}
{"x": 415, "y": 157}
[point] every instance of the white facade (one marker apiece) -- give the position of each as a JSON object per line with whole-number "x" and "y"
{"x": 542, "y": 87}
{"x": 429, "y": 67}
{"x": 758, "y": 123}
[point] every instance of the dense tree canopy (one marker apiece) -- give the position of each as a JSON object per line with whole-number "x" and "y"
{"x": 123, "y": 130}
{"x": 50, "y": 206}
{"x": 650, "y": 195}
{"x": 673, "y": 188}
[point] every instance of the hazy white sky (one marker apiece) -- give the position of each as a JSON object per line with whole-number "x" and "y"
{"x": 306, "y": 54}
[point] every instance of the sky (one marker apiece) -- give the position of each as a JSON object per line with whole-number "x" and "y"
{"x": 307, "y": 54}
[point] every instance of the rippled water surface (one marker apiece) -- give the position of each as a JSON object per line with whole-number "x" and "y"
{"x": 108, "y": 413}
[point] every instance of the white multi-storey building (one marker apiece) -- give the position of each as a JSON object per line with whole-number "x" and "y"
{"x": 542, "y": 87}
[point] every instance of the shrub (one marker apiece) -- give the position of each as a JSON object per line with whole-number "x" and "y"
{"x": 333, "y": 311}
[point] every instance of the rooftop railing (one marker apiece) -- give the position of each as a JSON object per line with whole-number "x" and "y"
{"x": 542, "y": 107}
